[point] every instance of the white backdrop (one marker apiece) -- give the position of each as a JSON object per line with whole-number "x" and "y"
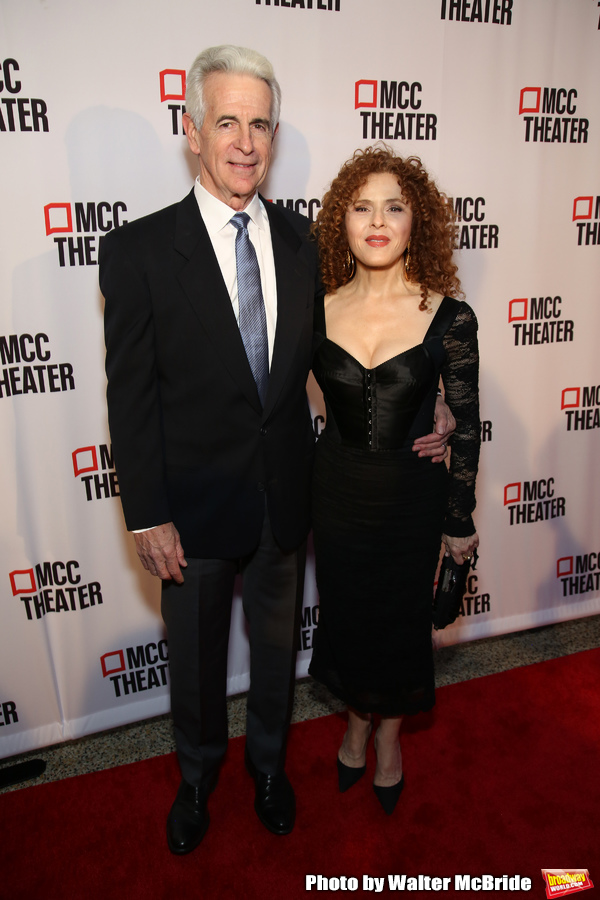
{"x": 500, "y": 98}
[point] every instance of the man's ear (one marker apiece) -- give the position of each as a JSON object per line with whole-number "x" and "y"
{"x": 191, "y": 132}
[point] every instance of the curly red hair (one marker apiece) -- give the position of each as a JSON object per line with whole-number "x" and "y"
{"x": 432, "y": 234}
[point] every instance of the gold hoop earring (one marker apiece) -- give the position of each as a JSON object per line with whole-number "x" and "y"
{"x": 350, "y": 264}
{"x": 407, "y": 258}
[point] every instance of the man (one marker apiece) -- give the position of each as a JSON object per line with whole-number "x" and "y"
{"x": 208, "y": 334}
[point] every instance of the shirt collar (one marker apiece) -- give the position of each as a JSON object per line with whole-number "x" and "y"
{"x": 217, "y": 215}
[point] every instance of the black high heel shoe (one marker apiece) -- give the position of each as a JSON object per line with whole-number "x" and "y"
{"x": 349, "y": 775}
{"x": 389, "y": 796}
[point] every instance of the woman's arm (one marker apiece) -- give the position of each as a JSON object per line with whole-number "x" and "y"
{"x": 460, "y": 375}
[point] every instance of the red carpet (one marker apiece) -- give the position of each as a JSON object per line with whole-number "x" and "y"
{"x": 502, "y": 778}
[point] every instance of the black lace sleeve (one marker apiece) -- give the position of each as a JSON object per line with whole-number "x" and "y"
{"x": 460, "y": 375}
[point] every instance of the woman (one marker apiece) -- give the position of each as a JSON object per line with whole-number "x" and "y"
{"x": 385, "y": 334}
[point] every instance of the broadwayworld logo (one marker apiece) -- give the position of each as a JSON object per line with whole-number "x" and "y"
{"x": 52, "y": 588}
{"x": 136, "y": 669}
{"x": 588, "y": 231}
{"x": 533, "y": 501}
{"x": 581, "y": 407}
{"x": 393, "y": 126}
{"x": 558, "y": 123}
{"x": 539, "y": 321}
{"x": 566, "y": 881}
{"x": 95, "y": 468}
{"x": 90, "y": 218}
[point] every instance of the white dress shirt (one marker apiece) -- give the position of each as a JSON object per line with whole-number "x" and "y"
{"x": 217, "y": 218}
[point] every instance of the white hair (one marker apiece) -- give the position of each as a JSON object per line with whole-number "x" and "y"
{"x": 238, "y": 61}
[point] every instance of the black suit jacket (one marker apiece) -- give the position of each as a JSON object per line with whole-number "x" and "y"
{"x": 191, "y": 442}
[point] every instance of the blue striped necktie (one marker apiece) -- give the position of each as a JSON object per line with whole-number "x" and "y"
{"x": 252, "y": 319}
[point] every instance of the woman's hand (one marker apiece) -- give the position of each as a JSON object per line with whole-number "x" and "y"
{"x": 460, "y": 548}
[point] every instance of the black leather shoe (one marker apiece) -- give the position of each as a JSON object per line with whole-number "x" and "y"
{"x": 274, "y": 801}
{"x": 188, "y": 820}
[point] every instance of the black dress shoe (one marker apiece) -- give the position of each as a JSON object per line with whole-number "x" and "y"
{"x": 274, "y": 800}
{"x": 188, "y": 820}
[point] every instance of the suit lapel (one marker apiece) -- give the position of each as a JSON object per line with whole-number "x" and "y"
{"x": 202, "y": 281}
{"x": 291, "y": 278}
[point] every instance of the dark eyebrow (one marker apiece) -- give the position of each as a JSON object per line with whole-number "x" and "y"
{"x": 389, "y": 200}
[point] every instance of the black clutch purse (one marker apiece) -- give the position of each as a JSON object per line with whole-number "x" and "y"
{"x": 451, "y": 587}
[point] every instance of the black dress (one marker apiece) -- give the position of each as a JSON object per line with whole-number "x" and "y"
{"x": 379, "y": 510}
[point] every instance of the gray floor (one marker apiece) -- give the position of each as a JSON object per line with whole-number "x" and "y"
{"x": 461, "y": 662}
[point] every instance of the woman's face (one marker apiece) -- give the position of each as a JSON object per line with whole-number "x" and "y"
{"x": 378, "y": 222}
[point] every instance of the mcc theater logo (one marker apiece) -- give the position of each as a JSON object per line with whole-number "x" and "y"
{"x": 475, "y": 601}
{"x": 306, "y": 208}
{"x": 310, "y": 618}
{"x": 8, "y": 713}
{"x": 473, "y": 234}
{"x": 172, "y": 87}
{"x": 538, "y": 320}
{"x": 581, "y": 406}
{"x": 375, "y": 98}
{"x": 579, "y": 574}
{"x": 95, "y": 468}
{"x": 498, "y": 12}
{"x": 54, "y": 587}
{"x": 533, "y": 501}
{"x": 136, "y": 669}
{"x": 91, "y": 222}
{"x": 19, "y": 113}
{"x": 588, "y": 228}
{"x": 557, "y": 123}
{"x": 27, "y": 368}
{"x": 331, "y": 5}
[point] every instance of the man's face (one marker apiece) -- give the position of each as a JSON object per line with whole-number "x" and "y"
{"x": 235, "y": 142}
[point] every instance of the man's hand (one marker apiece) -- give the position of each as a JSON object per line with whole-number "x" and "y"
{"x": 435, "y": 444}
{"x": 161, "y": 553}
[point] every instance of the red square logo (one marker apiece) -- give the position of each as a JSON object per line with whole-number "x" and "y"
{"x": 365, "y": 93}
{"x": 512, "y": 493}
{"x": 530, "y": 100}
{"x": 517, "y": 310}
{"x": 112, "y": 663}
{"x": 172, "y": 84}
{"x": 22, "y": 581}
